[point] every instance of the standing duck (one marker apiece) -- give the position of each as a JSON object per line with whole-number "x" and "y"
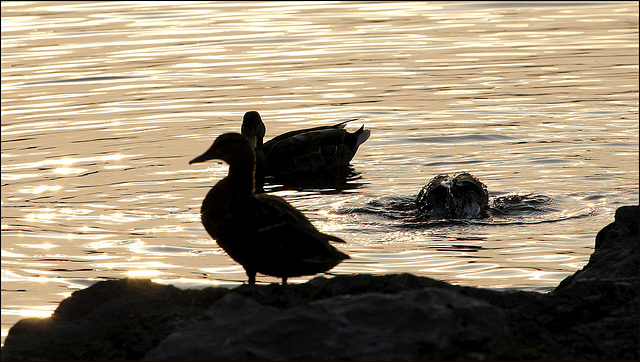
{"x": 462, "y": 196}
{"x": 264, "y": 233}
{"x": 302, "y": 152}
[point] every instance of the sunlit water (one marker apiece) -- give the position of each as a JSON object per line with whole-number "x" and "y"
{"x": 104, "y": 104}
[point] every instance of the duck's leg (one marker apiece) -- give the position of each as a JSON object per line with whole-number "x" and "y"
{"x": 284, "y": 280}
{"x": 252, "y": 276}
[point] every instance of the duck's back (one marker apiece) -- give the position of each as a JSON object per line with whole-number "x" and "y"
{"x": 313, "y": 151}
{"x": 294, "y": 133}
{"x": 461, "y": 196}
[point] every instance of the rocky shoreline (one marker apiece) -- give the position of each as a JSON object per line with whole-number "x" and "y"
{"x": 591, "y": 315}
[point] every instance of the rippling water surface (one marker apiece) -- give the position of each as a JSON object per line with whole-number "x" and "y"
{"x": 104, "y": 104}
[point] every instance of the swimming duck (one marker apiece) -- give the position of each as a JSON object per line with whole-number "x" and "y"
{"x": 461, "y": 196}
{"x": 302, "y": 152}
{"x": 264, "y": 233}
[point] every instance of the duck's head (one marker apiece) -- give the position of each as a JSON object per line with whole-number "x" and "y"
{"x": 232, "y": 148}
{"x": 253, "y": 128}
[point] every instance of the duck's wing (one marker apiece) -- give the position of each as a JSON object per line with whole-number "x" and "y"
{"x": 313, "y": 152}
{"x": 467, "y": 183}
{"x": 318, "y": 150}
{"x": 470, "y": 195}
{"x": 304, "y": 153}
{"x": 280, "y": 239}
{"x": 268, "y": 215}
{"x": 303, "y": 143}
{"x": 434, "y": 198}
{"x": 290, "y": 134}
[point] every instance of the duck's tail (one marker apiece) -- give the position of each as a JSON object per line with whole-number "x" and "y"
{"x": 358, "y": 137}
{"x": 343, "y": 123}
{"x": 333, "y": 238}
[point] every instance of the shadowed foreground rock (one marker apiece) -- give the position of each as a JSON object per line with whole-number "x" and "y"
{"x": 592, "y": 314}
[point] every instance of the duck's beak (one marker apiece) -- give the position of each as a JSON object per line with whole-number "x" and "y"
{"x": 198, "y": 159}
{"x": 203, "y": 157}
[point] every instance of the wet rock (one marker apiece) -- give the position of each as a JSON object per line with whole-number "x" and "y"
{"x": 591, "y": 315}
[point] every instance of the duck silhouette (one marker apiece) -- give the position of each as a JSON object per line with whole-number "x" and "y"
{"x": 302, "y": 153}
{"x": 461, "y": 196}
{"x": 263, "y": 233}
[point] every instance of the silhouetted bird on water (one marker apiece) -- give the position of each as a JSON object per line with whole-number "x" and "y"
{"x": 462, "y": 196}
{"x": 302, "y": 153}
{"x": 264, "y": 233}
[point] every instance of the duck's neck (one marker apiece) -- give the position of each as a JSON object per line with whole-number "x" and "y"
{"x": 241, "y": 176}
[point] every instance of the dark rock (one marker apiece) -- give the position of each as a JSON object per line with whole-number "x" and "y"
{"x": 591, "y": 315}
{"x": 370, "y": 326}
{"x": 323, "y": 288}
{"x": 616, "y": 251}
{"x": 596, "y": 309}
{"x": 120, "y": 319}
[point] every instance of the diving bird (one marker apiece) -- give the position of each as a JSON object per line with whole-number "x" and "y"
{"x": 461, "y": 196}
{"x": 263, "y": 233}
{"x": 302, "y": 152}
